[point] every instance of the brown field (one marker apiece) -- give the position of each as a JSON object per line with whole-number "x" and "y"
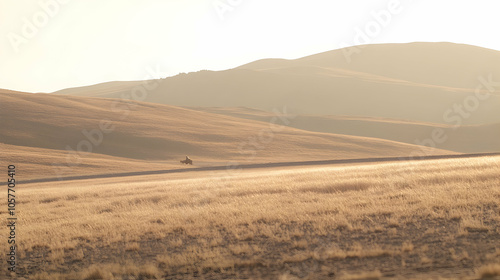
{"x": 436, "y": 219}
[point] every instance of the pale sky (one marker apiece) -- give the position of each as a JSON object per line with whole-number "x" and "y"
{"x": 48, "y": 45}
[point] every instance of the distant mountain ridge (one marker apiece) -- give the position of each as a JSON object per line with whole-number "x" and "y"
{"x": 414, "y": 82}
{"x": 441, "y": 64}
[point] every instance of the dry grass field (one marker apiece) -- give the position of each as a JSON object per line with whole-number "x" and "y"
{"x": 436, "y": 219}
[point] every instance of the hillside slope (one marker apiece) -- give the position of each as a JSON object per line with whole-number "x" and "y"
{"x": 463, "y": 139}
{"x": 158, "y": 133}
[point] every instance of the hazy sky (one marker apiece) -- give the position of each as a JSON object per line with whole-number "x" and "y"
{"x": 48, "y": 45}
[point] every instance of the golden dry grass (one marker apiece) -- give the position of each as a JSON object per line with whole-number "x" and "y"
{"x": 403, "y": 218}
{"x": 489, "y": 271}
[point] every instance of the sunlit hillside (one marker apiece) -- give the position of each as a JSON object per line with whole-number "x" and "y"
{"x": 87, "y": 133}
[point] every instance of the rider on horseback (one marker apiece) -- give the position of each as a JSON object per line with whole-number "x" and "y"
{"x": 187, "y": 161}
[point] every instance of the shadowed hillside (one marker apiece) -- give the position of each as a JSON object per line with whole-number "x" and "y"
{"x": 464, "y": 139}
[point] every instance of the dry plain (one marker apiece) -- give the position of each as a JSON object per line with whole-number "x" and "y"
{"x": 431, "y": 219}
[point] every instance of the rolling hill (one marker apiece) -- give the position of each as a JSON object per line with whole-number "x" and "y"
{"x": 93, "y": 133}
